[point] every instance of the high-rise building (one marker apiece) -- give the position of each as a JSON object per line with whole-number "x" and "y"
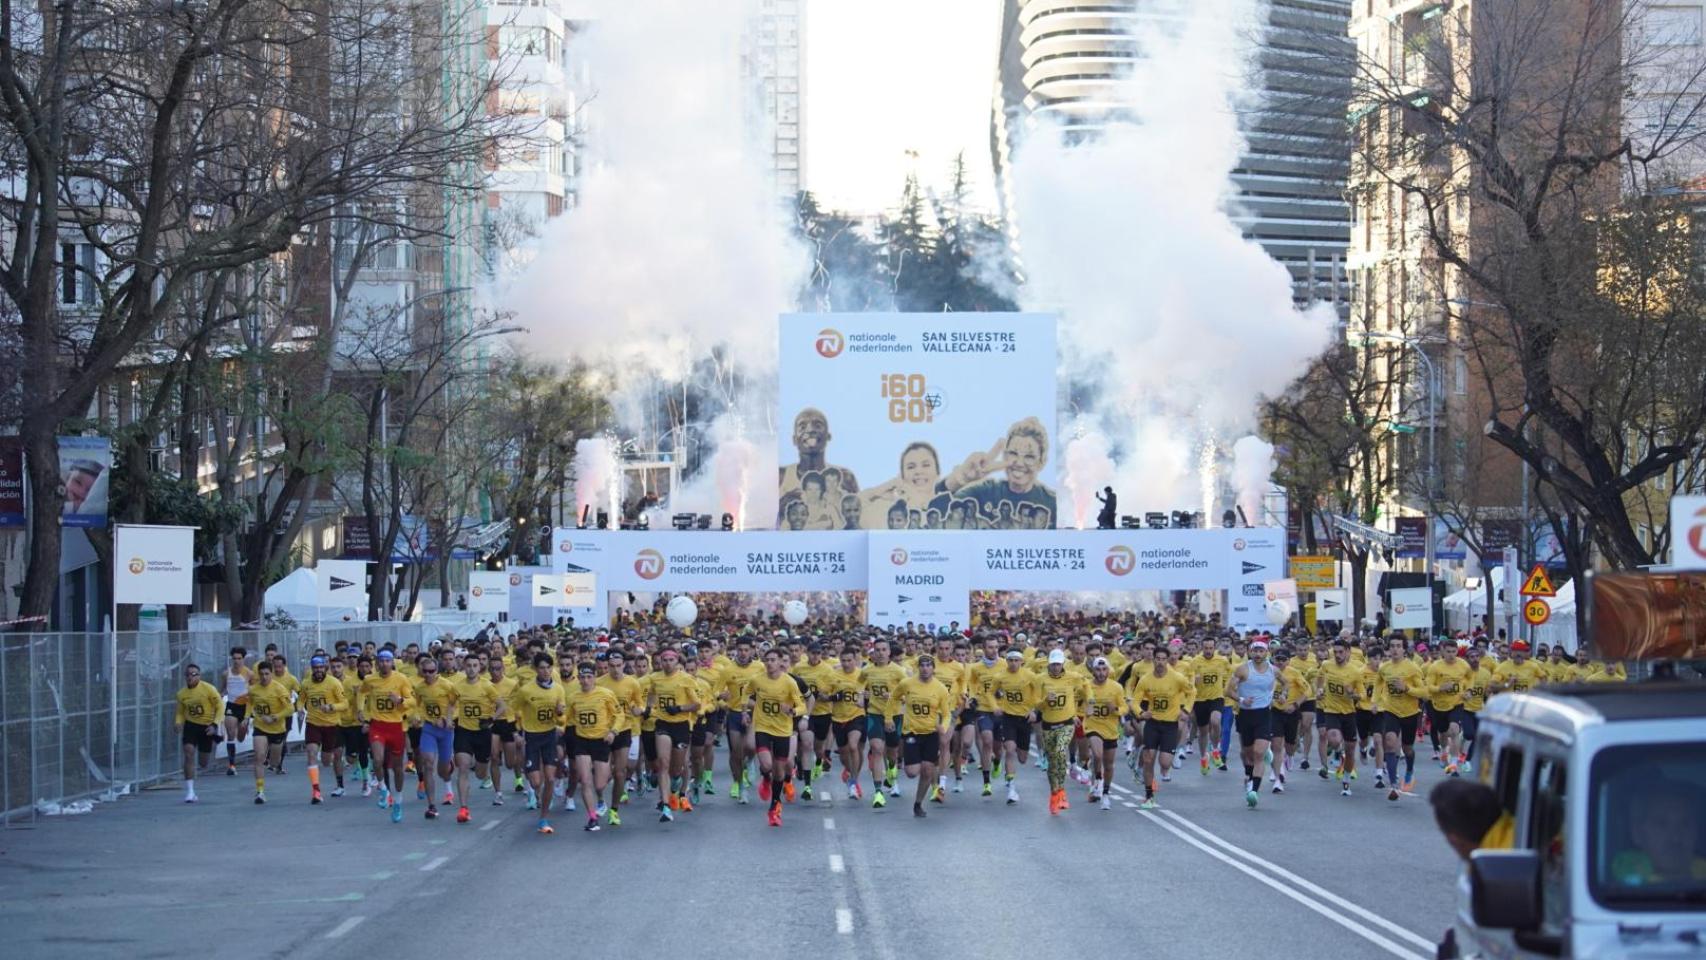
{"x": 1062, "y": 61}
{"x": 773, "y": 63}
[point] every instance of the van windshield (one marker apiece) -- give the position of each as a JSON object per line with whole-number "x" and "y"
{"x": 1649, "y": 841}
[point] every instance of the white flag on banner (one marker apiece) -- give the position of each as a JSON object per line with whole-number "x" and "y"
{"x": 1412, "y": 608}
{"x": 343, "y": 583}
{"x": 547, "y": 589}
{"x": 153, "y": 564}
{"x": 1331, "y": 605}
{"x": 488, "y": 591}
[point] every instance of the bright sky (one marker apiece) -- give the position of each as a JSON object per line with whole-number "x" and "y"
{"x": 884, "y": 77}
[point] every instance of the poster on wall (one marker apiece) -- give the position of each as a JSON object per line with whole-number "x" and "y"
{"x": 1412, "y": 537}
{"x": 938, "y": 421}
{"x": 1411, "y": 608}
{"x": 84, "y": 463}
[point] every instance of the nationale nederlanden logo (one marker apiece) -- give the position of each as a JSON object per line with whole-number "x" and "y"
{"x": 1120, "y": 560}
{"x": 515, "y": 579}
{"x": 1697, "y": 533}
{"x": 830, "y": 343}
{"x": 478, "y": 591}
{"x": 648, "y": 564}
{"x": 137, "y": 565}
{"x": 898, "y": 556}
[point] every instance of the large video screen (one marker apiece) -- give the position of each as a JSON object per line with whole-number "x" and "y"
{"x": 919, "y": 421}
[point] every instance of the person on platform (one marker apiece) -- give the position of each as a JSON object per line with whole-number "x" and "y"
{"x": 1105, "y": 519}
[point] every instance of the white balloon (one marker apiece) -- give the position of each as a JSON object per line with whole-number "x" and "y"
{"x": 682, "y": 611}
{"x": 1279, "y": 611}
{"x": 794, "y": 612}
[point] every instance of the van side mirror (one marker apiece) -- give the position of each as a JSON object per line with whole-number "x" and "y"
{"x": 1504, "y": 889}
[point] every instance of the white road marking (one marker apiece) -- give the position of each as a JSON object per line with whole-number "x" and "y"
{"x": 1367, "y": 915}
{"x": 490, "y": 824}
{"x": 1396, "y": 949}
{"x": 836, "y": 864}
{"x": 829, "y": 823}
{"x": 434, "y": 864}
{"x": 843, "y": 920}
{"x": 343, "y": 928}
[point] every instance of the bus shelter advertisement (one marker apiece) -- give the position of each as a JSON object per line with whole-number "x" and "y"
{"x": 917, "y": 422}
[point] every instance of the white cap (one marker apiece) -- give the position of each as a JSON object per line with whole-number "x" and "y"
{"x": 1099, "y": 662}
{"x": 1056, "y": 656}
{"x": 1020, "y": 637}
{"x": 1258, "y": 644}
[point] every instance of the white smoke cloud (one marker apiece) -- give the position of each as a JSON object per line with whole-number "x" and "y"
{"x": 1176, "y": 323}
{"x": 679, "y": 242}
{"x": 1252, "y": 474}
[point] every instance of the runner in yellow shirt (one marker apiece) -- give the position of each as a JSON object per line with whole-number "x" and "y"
{"x": 539, "y": 703}
{"x": 1209, "y": 672}
{"x": 326, "y": 700}
{"x": 269, "y": 707}
{"x": 1058, "y": 694}
{"x": 506, "y": 738}
{"x": 437, "y": 756}
{"x": 926, "y": 708}
{"x": 1105, "y": 705}
{"x": 592, "y": 713}
{"x": 673, "y": 701}
{"x": 1448, "y": 679}
{"x": 981, "y": 710}
{"x": 1337, "y": 689}
{"x": 197, "y": 711}
{"x": 879, "y": 680}
{"x": 733, "y": 694}
{"x": 774, "y": 702}
{"x": 839, "y": 687}
{"x": 1520, "y": 674}
{"x": 476, "y": 708}
{"x": 1402, "y": 688}
{"x": 1160, "y": 698}
{"x": 631, "y": 706}
{"x": 1016, "y": 698}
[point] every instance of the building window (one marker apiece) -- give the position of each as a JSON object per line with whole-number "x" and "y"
{"x": 1460, "y": 375}
{"x": 1672, "y": 25}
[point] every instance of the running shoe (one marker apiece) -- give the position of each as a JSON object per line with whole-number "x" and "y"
{"x": 806, "y": 792}
{"x": 1278, "y": 787}
{"x": 231, "y": 769}
{"x": 532, "y": 802}
{"x": 1379, "y": 780}
{"x": 1065, "y": 802}
{"x": 260, "y": 797}
{"x": 959, "y": 785}
{"x": 520, "y": 784}
{"x": 858, "y": 791}
{"x": 1149, "y": 804}
{"x": 463, "y": 816}
{"x": 449, "y": 796}
{"x": 664, "y": 816}
{"x": 1012, "y": 793}
{"x": 1323, "y": 774}
{"x": 420, "y": 791}
{"x": 775, "y": 818}
{"x": 315, "y": 796}
{"x": 367, "y": 789}
{"x": 1205, "y": 766}
{"x": 1054, "y": 804}
{"x": 431, "y": 812}
{"x": 880, "y": 800}
{"x": 918, "y": 811}
{"x": 1166, "y": 776}
{"x": 397, "y": 812}
{"x": 1345, "y": 789}
{"x": 570, "y": 804}
{"x": 894, "y": 789}
{"x": 1250, "y": 798}
{"x": 1306, "y": 763}
{"x": 486, "y": 784}
{"x": 497, "y": 798}
{"x": 191, "y": 798}
{"x": 1107, "y": 804}
{"x": 614, "y": 818}
{"x": 988, "y": 789}
{"x": 684, "y": 805}
{"x": 936, "y": 796}
{"x": 545, "y": 827}
{"x": 337, "y": 791}
{"x": 764, "y": 790}
{"x": 384, "y": 798}
{"x": 591, "y": 824}
{"x": 1392, "y": 794}
{"x": 734, "y": 790}
{"x": 1451, "y": 769}
{"x": 1409, "y": 785}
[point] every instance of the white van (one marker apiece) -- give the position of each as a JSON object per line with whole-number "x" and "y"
{"x": 1603, "y": 788}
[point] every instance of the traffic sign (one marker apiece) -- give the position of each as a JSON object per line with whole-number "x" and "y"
{"x": 1536, "y": 611}
{"x": 1538, "y": 584}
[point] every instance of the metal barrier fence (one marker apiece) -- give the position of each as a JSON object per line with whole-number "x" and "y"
{"x": 72, "y": 726}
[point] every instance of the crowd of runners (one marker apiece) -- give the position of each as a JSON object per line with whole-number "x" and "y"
{"x": 611, "y": 721}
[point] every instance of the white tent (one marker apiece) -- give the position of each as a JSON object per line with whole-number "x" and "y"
{"x": 296, "y": 595}
{"x": 1561, "y": 626}
{"x": 1465, "y": 608}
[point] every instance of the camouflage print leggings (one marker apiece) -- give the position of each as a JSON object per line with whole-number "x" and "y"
{"x": 1056, "y": 740}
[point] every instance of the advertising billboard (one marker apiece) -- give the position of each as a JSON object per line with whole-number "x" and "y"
{"x": 934, "y": 421}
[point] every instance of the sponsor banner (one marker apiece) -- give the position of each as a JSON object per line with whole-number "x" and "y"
{"x": 579, "y": 591}
{"x": 941, "y": 421}
{"x": 744, "y": 562}
{"x": 342, "y": 583}
{"x": 1255, "y": 556}
{"x": 1315, "y": 573}
{"x": 1688, "y": 533}
{"x": 580, "y": 552}
{"x": 488, "y": 591}
{"x": 1275, "y": 590}
{"x": 84, "y": 465}
{"x": 153, "y": 564}
{"x": 1411, "y": 608}
{"x": 1496, "y": 535}
{"x": 521, "y": 608}
{"x": 1412, "y": 537}
{"x": 1332, "y": 605}
{"x": 11, "y": 482}
{"x": 1448, "y": 543}
{"x": 547, "y": 589}
{"x": 919, "y": 577}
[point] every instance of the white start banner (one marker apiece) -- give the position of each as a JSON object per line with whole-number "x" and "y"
{"x": 757, "y": 562}
{"x": 342, "y": 583}
{"x": 153, "y": 564}
{"x": 580, "y": 553}
{"x": 919, "y": 577}
{"x": 488, "y": 591}
{"x": 1411, "y": 608}
{"x": 932, "y": 421}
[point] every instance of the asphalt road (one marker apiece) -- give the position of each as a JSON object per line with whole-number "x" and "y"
{"x": 1305, "y": 874}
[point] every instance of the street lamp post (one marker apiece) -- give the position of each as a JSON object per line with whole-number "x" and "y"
{"x": 1415, "y": 344}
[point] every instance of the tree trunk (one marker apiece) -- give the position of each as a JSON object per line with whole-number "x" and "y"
{"x": 47, "y": 500}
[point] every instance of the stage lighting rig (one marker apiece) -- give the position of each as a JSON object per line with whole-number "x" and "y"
{"x": 1155, "y": 520}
